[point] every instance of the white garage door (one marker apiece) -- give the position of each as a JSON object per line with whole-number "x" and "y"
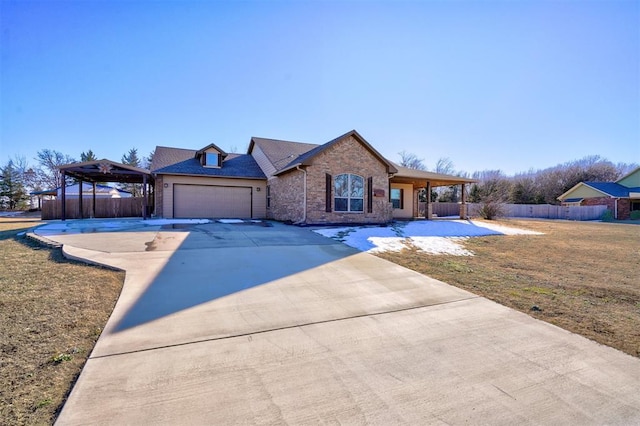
{"x": 207, "y": 201}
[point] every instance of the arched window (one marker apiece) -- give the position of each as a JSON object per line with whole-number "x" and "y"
{"x": 348, "y": 193}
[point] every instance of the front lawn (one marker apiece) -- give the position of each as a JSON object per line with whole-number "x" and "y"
{"x": 51, "y": 313}
{"x": 581, "y": 276}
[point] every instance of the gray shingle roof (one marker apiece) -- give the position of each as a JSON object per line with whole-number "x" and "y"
{"x": 292, "y": 154}
{"x": 180, "y": 161}
{"x": 280, "y": 153}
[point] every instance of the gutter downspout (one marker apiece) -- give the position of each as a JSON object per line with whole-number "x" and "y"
{"x": 304, "y": 196}
{"x": 615, "y": 208}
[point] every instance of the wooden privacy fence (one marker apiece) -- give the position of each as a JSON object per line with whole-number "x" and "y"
{"x": 540, "y": 211}
{"x": 105, "y": 207}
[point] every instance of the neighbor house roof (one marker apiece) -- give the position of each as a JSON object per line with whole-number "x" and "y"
{"x": 178, "y": 161}
{"x": 607, "y": 189}
{"x": 306, "y": 158}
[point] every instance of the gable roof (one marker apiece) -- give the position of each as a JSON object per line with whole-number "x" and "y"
{"x": 607, "y": 189}
{"x": 179, "y": 161}
{"x": 612, "y": 189}
{"x": 105, "y": 171}
{"x": 211, "y": 145}
{"x": 279, "y": 152}
{"x": 630, "y": 179}
{"x": 305, "y": 159}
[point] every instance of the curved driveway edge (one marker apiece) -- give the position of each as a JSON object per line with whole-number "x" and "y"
{"x": 250, "y": 324}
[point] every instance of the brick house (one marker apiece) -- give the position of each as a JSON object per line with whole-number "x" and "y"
{"x": 621, "y": 197}
{"x": 342, "y": 181}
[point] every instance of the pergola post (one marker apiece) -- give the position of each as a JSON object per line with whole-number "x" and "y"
{"x": 428, "y": 208}
{"x": 144, "y": 197}
{"x": 81, "y": 195}
{"x": 94, "y": 199}
{"x": 463, "y": 204}
{"x": 64, "y": 196}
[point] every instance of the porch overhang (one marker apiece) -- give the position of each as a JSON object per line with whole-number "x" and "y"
{"x": 419, "y": 178}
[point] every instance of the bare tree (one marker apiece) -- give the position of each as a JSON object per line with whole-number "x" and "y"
{"x": 445, "y": 166}
{"x": 411, "y": 161}
{"x": 48, "y": 174}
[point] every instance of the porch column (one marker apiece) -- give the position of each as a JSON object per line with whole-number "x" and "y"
{"x": 428, "y": 208}
{"x": 64, "y": 196}
{"x": 81, "y": 195}
{"x": 463, "y": 204}
{"x": 144, "y": 197}
{"x": 94, "y": 199}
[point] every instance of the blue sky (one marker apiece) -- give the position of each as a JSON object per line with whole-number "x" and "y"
{"x": 491, "y": 85}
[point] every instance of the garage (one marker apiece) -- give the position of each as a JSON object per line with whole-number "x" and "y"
{"x": 211, "y": 201}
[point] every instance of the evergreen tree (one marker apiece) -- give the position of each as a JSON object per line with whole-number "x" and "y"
{"x": 88, "y": 156}
{"x": 131, "y": 159}
{"x": 13, "y": 194}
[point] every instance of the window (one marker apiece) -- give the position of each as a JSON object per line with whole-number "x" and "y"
{"x": 211, "y": 159}
{"x": 396, "y": 198}
{"x": 268, "y": 196}
{"x": 348, "y": 193}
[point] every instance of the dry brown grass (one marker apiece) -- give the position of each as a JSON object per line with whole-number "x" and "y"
{"x": 584, "y": 277}
{"x": 51, "y": 312}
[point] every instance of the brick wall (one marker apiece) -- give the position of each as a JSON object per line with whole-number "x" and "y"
{"x": 347, "y": 156}
{"x": 624, "y": 205}
{"x": 287, "y": 197}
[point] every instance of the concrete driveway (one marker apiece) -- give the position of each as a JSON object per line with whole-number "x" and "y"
{"x": 263, "y": 323}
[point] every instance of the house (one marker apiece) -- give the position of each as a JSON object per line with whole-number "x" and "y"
{"x": 621, "y": 197}
{"x": 345, "y": 180}
{"x": 71, "y": 191}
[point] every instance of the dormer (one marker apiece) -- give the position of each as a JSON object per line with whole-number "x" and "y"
{"x": 211, "y": 156}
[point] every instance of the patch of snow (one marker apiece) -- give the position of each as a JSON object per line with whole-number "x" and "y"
{"x": 434, "y": 237}
{"x": 441, "y": 245}
{"x": 10, "y": 214}
{"x": 20, "y": 234}
{"x": 505, "y": 230}
{"x": 230, "y": 220}
{"x": 172, "y": 221}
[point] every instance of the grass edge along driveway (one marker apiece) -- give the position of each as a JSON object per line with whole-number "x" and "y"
{"x": 581, "y": 276}
{"x": 52, "y": 311}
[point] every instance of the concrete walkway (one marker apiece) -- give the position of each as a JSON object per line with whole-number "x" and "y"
{"x": 254, "y": 324}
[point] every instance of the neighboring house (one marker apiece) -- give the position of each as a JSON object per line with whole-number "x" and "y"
{"x": 72, "y": 191}
{"x": 342, "y": 181}
{"x": 621, "y": 197}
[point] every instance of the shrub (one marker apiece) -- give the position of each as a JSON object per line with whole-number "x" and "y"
{"x": 607, "y": 216}
{"x": 490, "y": 210}
{"x": 635, "y": 215}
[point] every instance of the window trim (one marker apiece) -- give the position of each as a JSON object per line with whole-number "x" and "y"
{"x": 206, "y": 157}
{"x": 349, "y": 197}
{"x": 400, "y": 199}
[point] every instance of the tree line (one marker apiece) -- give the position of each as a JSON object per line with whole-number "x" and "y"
{"x": 542, "y": 186}
{"x": 19, "y": 177}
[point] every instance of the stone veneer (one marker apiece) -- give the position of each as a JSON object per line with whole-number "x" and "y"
{"x": 345, "y": 156}
{"x": 158, "y": 191}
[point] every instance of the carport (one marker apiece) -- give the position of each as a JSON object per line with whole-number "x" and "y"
{"x": 105, "y": 171}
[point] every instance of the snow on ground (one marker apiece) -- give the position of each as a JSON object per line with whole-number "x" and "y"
{"x": 429, "y": 236}
{"x": 230, "y": 220}
{"x": 176, "y": 221}
{"x": 11, "y": 214}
